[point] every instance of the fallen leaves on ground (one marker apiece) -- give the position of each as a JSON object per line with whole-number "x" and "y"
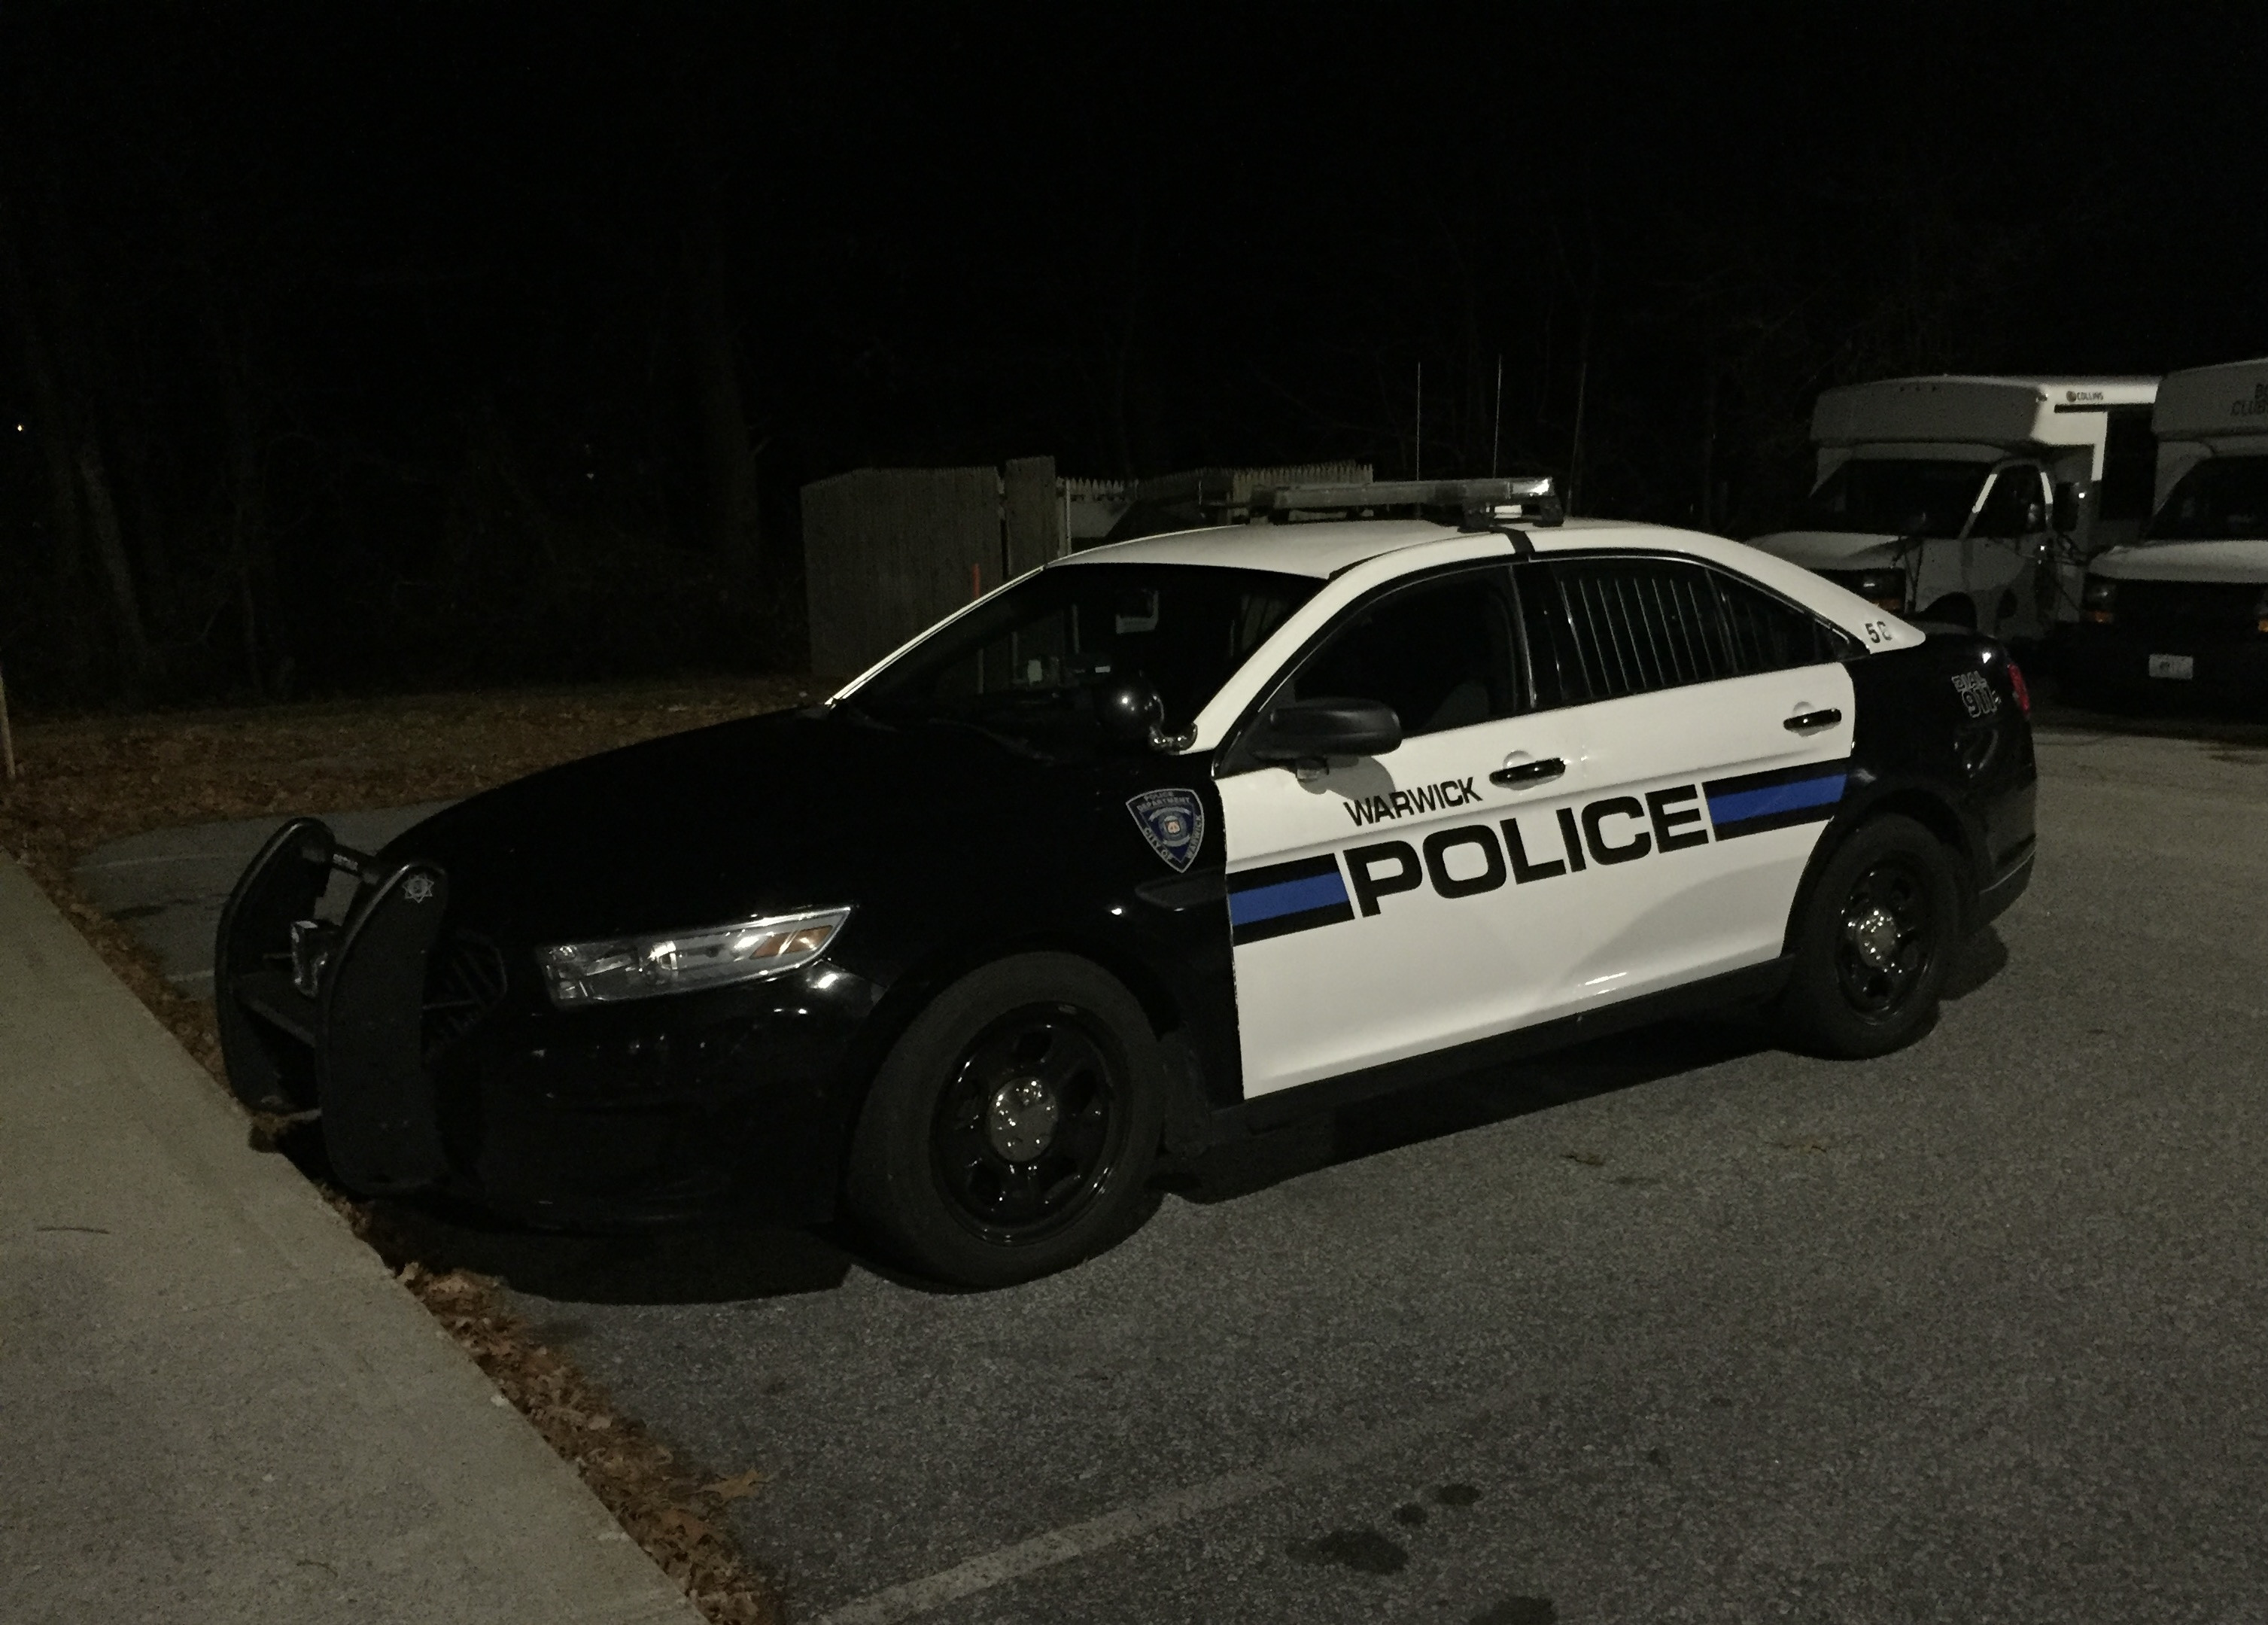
{"x": 732, "y": 1488}
{"x": 661, "y": 1503}
{"x": 85, "y": 781}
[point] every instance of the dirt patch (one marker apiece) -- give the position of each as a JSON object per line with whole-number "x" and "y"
{"x": 84, "y": 781}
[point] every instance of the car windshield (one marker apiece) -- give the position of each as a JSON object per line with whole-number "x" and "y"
{"x": 1028, "y": 663}
{"x": 1895, "y": 496}
{"x": 2223, "y": 499}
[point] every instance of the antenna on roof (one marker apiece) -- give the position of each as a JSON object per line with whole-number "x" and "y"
{"x": 1496, "y": 423}
{"x": 1420, "y": 472}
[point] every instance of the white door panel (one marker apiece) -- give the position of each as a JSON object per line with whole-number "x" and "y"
{"x": 1394, "y": 907}
{"x": 1347, "y": 952}
{"x": 1727, "y": 905}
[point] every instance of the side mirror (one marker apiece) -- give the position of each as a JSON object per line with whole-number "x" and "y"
{"x": 2063, "y": 517}
{"x": 1129, "y": 709}
{"x": 1312, "y": 729}
{"x": 1133, "y": 712}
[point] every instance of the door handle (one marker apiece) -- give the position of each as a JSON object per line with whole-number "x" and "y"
{"x": 1529, "y": 773}
{"x": 1811, "y": 721}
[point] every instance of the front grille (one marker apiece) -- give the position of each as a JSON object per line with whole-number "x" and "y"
{"x": 2189, "y": 611}
{"x": 464, "y": 978}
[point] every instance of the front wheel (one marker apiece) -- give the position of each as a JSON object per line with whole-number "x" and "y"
{"x": 1011, "y": 1131}
{"x": 1872, "y": 947}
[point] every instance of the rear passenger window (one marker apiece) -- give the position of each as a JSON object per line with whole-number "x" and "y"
{"x": 1768, "y": 634}
{"x": 1602, "y": 629}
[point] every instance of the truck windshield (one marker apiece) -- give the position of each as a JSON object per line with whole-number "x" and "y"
{"x": 1895, "y": 496}
{"x": 1027, "y": 664}
{"x": 2223, "y": 499}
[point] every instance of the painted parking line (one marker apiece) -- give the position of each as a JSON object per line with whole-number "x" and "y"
{"x": 1005, "y": 1563}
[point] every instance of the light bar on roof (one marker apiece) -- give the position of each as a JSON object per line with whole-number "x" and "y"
{"x": 1472, "y": 505}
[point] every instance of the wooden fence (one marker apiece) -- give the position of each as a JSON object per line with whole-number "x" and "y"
{"x": 889, "y": 551}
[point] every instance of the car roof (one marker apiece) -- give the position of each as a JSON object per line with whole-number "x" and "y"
{"x": 1354, "y": 557}
{"x": 1327, "y": 547}
{"x": 1370, "y": 551}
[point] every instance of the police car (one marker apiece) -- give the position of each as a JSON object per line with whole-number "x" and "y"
{"x": 1169, "y": 842}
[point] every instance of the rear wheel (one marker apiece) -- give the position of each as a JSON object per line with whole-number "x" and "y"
{"x": 1873, "y": 945}
{"x": 1953, "y": 610}
{"x": 1012, "y": 1129}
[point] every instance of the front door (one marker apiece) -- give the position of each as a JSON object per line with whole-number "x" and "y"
{"x": 1353, "y": 885}
{"x": 1985, "y": 576}
{"x": 2009, "y": 547}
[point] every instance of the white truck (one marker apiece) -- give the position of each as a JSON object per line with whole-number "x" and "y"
{"x": 2184, "y": 607}
{"x": 1974, "y": 500}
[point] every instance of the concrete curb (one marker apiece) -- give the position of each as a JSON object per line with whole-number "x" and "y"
{"x": 214, "y": 1404}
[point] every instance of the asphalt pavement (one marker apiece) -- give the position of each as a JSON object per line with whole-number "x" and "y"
{"x": 1673, "y": 1328}
{"x": 169, "y": 884}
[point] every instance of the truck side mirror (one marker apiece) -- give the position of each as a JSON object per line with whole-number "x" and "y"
{"x": 2063, "y": 518}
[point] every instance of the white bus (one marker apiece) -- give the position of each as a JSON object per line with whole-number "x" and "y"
{"x": 2184, "y": 607}
{"x": 1974, "y": 500}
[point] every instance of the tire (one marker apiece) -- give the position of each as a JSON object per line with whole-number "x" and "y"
{"x": 1011, "y": 1131}
{"x": 1872, "y": 946}
{"x": 1953, "y": 610}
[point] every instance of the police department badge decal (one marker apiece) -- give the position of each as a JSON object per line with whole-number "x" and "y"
{"x": 1172, "y": 822}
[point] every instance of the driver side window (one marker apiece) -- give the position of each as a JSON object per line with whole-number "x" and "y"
{"x": 2008, "y": 510}
{"x": 1440, "y": 654}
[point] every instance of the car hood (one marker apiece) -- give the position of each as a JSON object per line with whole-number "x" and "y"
{"x": 763, "y": 816}
{"x": 1831, "y": 550}
{"x": 2243, "y": 562}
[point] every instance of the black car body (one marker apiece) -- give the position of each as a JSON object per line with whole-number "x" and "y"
{"x": 424, "y": 1028}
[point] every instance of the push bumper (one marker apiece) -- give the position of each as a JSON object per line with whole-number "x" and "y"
{"x": 441, "y": 1070}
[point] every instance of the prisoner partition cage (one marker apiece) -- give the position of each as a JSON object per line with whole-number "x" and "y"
{"x": 889, "y": 551}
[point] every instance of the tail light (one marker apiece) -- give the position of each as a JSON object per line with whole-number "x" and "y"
{"x": 2260, "y": 609}
{"x": 2024, "y": 690}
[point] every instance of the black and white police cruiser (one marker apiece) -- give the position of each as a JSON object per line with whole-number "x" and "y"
{"x": 1167, "y": 842}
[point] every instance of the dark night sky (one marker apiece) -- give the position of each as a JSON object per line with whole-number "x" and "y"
{"x": 373, "y": 315}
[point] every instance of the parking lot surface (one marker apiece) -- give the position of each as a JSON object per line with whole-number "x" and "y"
{"x": 169, "y": 885}
{"x": 1675, "y": 1326}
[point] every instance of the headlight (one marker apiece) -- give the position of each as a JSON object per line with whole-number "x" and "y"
{"x": 2098, "y": 600}
{"x": 668, "y": 962}
{"x": 1885, "y": 589}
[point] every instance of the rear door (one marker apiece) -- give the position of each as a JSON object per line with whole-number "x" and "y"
{"x": 1706, "y": 726}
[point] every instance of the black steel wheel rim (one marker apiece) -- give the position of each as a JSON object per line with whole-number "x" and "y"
{"x": 1885, "y": 938}
{"x": 1030, "y": 1129}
